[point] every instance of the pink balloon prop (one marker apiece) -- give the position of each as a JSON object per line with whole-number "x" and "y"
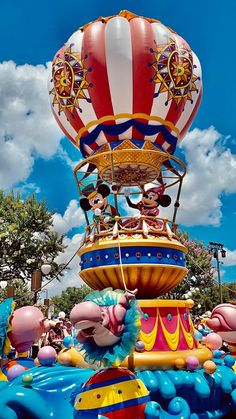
{"x": 213, "y": 341}
{"x": 14, "y": 371}
{"x": 27, "y": 327}
{"x": 192, "y": 362}
{"x": 47, "y": 355}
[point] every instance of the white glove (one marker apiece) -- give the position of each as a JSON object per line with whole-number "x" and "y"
{"x": 126, "y": 192}
{"x": 97, "y": 212}
{"x": 107, "y": 219}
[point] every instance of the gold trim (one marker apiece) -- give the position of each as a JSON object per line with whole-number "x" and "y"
{"x": 92, "y": 194}
{"x": 122, "y": 116}
{"x": 166, "y": 303}
{"x": 127, "y": 15}
{"x": 151, "y": 280}
{"x": 166, "y": 360}
{"x": 131, "y": 265}
{"x": 111, "y": 243}
{"x": 170, "y": 178}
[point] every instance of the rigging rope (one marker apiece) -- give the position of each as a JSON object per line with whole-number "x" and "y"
{"x": 52, "y": 279}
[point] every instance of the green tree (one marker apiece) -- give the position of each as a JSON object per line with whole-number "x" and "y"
{"x": 199, "y": 283}
{"x": 231, "y": 289}
{"x": 22, "y": 294}
{"x": 68, "y": 298}
{"x": 26, "y": 239}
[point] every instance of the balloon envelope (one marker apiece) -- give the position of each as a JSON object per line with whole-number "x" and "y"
{"x": 125, "y": 77}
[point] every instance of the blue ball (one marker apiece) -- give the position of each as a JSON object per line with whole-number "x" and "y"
{"x": 68, "y": 341}
{"x": 76, "y": 342}
{"x": 229, "y": 360}
{"x": 198, "y": 336}
{"x": 217, "y": 354}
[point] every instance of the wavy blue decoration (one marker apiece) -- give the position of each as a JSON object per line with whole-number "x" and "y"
{"x": 116, "y": 129}
{"x": 178, "y": 408}
{"x": 174, "y": 394}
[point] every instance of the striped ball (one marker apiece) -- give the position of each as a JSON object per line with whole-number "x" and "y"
{"x": 113, "y": 393}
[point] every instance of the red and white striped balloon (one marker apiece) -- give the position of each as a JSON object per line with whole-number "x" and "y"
{"x": 125, "y": 77}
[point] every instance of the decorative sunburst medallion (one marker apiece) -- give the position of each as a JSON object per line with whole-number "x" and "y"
{"x": 69, "y": 79}
{"x": 174, "y": 71}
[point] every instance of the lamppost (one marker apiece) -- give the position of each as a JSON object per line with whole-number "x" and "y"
{"x": 46, "y": 300}
{"x": 9, "y": 288}
{"x": 36, "y": 280}
{"x": 215, "y": 249}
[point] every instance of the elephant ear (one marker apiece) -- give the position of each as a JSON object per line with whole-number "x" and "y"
{"x": 214, "y": 323}
{"x": 47, "y": 324}
{"x": 113, "y": 355}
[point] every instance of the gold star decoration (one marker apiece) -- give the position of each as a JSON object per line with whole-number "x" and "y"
{"x": 69, "y": 79}
{"x": 174, "y": 71}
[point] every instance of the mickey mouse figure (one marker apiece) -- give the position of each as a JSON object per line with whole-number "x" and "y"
{"x": 150, "y": 202}
{"x": 96, "y": 200}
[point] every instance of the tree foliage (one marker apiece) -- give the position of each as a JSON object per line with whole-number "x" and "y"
{"x": 22, "y": 294}
{"x": 26, "y": 239}
{"x": 68, "y": 298}
{"x": 199, "y": 283}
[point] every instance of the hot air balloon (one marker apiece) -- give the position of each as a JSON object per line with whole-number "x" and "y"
{"x": 124, "y": 89}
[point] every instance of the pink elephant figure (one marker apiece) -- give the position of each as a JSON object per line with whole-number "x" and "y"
{"x": 27, "y": 326}
{"x": 223, "y": 321}
{"x": 103, "y": 324}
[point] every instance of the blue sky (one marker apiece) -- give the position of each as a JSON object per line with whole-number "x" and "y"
{"x": 32, "y": 32}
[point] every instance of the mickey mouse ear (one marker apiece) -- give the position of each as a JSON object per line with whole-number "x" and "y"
{"x": 165, "y": 200}
{"x": 104, "y": 190}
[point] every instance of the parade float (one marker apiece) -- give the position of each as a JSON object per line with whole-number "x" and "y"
{"x": 125, "y": 89}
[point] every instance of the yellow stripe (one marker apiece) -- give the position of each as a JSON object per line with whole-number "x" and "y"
{"x": 187, "y": 335}
{"x": 109, "y": 395}
{"x": 172, "y": 339}
{"x": 127, "y": 116}
{"x": 149, "y": 338}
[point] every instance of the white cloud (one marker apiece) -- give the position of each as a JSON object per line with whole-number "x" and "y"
{"x": 27, "y": 126}
{"x": 211, "y": 172}
{"x": 72, "y": 217}
{"x": 27, "y": 189}
{"x": 63, "y": 155}
{"x": 230, "y": 259}
{"x": 71, "y": 276}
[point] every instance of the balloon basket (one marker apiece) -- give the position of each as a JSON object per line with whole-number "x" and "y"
{"x": 145, "y": 258}
{"x": 130, "y": 163}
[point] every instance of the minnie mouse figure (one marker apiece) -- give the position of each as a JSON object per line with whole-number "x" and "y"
{"x": 96, "y": 200}
{"x": 150, "y": 202}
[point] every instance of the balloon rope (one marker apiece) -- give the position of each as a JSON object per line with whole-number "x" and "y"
{"x": 52, "y": 279}
{"x": 121, "y": 264}
{"x": 118, "y": 238}
{"x": 214, "y": 280}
